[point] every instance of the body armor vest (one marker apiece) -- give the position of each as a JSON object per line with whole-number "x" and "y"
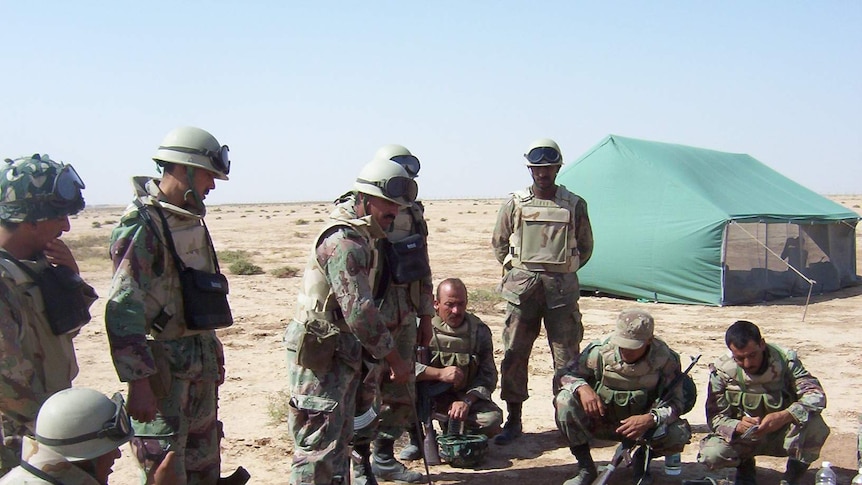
{"x": 456, "y": 346}
{"x": 544, "y": 233}
{"x": 759, "y": 395}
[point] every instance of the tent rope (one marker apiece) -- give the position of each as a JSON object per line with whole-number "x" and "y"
{"x": 810, "y": 281}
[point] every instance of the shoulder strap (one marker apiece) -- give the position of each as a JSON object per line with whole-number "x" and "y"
{"x": 39, "y": 473}
{"x": 32, "y": 274}
{"x": 169, "y": 240}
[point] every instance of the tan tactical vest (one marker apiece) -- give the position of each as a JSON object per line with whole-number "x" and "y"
{"x": 544, "y": 233}
{"x": 409, "y": 221}
{"x": 316, "y": 300}
{"x": 456, "y": 346}
{"x": 759, "y": 395}
{"x": 52, "y": 356}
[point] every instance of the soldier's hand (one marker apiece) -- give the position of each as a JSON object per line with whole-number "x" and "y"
{"x": 423, "y": 335}
{"x": 633, "y": 427}
{"x": 452, "y": 375}
{"x": 745, "y": 423}
{"x": 142, "y": 402}
{"x": 773, "y": 422}
{"x": 169, "y": 471}
{"x": 590, "y": 401}
{"x": 458, "y": 410}
{"x": 58, "y": 254}
{"x": 399, "y": 369}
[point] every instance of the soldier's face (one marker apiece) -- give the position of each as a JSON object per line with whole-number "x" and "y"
{"x": 544, "y": 176}
{"x": 102, "y": 465}
{"x": 630, "y": 356}
{"x": 203, "y": 181}
{"x": 750, "y": 357}
{"x": 46, "y": 231}
{"x": 451, "y": 305}
{"x": 382, "y": 211}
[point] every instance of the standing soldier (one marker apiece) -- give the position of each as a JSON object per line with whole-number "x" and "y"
{"x": 162, "y": 346}
{"x": 38, "y": 276}
{"x": 761, "y": 401}
{"x": 408, "y": 293}
{"x": 542, "y": 237}
{"x": 336, "y": 318}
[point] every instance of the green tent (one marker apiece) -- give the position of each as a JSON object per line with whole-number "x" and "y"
{"x": 679, "y": 224}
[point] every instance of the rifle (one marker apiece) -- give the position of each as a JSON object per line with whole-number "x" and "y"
{"x": 623, "y": 451}
{"x": 424, "y": 426}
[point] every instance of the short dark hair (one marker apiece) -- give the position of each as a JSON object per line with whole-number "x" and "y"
{"x": 740, "y": 333}
{"x": 9, "y": 225}
{"x": 455, "y": 283}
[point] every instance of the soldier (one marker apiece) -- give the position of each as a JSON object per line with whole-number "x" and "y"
{"x": 761, "y": 401}
{"x": 336, "y": 318}
{"x": 542, "y": 237}
{"x": 408, "y": 293}
{"x": 610, "y": 392}
{"x": 164, "y": 347}
{"x": 38, "y": 276}
{"x": 462, "y": 356}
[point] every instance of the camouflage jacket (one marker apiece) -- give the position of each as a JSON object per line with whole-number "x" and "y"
{"x": 146, "y": 288}
{"x": 52, "y": 464}
{"x": 785, "y": 384}
{"x": 35, "y": 362}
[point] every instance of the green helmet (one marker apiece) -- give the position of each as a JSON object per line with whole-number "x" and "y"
{"x": 463, "y": 450}
{"x": 400, "y": 155}
{"x": 194, "y": 147}
{"x": 37, "y": 188}
{"x": 387, "y": 180}
{"x": 82, "y": 424}
{"x": 543, "y": 151}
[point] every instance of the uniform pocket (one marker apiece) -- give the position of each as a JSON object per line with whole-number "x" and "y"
{"x": 314, "y": 413}
{"x": 518, "y": 285}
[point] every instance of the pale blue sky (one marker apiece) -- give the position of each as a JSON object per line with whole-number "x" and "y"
{"x": 305, "y": 92}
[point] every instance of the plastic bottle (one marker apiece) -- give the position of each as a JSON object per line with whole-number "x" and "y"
{"x": 857, "y": 480}
{"x": 825, "y": 475}
{"x": 673, "y": 464}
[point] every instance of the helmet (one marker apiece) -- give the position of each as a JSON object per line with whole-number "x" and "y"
{"x": 400, "y": 155}
{"x": 82, "y": 424}
{"x": 37, "y": 188}
{"x": 194, "y": 147}
{"x": 543, "y": 151}
{"x": 387, "y": 180}
{"x": 463, "y": 450}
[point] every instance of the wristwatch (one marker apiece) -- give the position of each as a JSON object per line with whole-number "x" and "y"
{"x": 654, "y": 418}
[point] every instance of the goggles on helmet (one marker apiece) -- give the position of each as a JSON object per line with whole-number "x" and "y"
{"x": 409, "y": 162}
{"x": 219, "y": 159}
{"x": 117, "y": 428}
{"x": 67, "y": 185}
{"x": 395, "y": 187}
{"x": 543, "y": 155}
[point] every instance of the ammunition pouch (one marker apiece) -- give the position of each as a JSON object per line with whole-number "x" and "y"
{"x": 66, "y": 304}
{"x": 407, "y": 259}
{"x": 205, "y": 302}
{"x": 316, "y": 345}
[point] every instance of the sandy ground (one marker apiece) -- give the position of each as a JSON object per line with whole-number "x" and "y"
{"x": 278, "y": 235}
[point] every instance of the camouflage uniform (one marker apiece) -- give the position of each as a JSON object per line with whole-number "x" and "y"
{"x": 51, "y": 464}
{"x": 35, "y": 362}
{"x": 338, "y": 288}
{"x": 184, "y": 366}
{"x": 538, "y": 291}
{"x": 470, "y": 347}
{"x": 626, "y": 389}
{"x": 785, "y": 384}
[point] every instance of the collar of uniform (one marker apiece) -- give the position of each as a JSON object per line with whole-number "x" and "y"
{"x": 147, "y": 189}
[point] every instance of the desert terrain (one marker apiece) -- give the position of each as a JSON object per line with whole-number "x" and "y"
{"x": 276, "y": 238}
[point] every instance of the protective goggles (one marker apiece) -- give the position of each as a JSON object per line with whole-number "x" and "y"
{"x": 409, "y": 162}
{"x": 118, "y": 428}
{"x": 219, "y": 159}
{"x": 67, "y": 185}
{"x": 395, "y": 187}
{"x": 543, "y": 155}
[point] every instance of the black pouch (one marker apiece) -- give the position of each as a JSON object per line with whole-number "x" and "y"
{"x": 66, "y": 306}
{"x": 205, "y": 302}
{"x": 408, "y": 259}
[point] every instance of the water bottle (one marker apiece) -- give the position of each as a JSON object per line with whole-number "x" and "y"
{"x": 857, "y": 480}
{"x": 673, "y": 464}
{"x": 825, "y": 475}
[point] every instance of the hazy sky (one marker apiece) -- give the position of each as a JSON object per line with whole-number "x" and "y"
{"x": 305, "y": 92}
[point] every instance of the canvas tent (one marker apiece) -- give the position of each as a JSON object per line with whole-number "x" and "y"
{"x": 679, "y": 224}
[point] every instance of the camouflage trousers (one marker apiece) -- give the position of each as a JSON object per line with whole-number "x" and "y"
{"x": 484, "y": 417}
{"x": 523, "y": 323}
{"x": 578, "y": 428}
{"x": 10, "y": 446}
{"x": 190, "y": 412}
{"x": 802, "y": 443}
{"x": 320, "y": 416}
{"x": 396, "y": 401}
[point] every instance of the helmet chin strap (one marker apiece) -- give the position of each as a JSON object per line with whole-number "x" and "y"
{"x": 196, "y": 198}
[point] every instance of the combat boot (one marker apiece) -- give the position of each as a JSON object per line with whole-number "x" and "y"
{"x": 412, "y": 451}
{"x": 794, "y": 471}
{"x": 512, "y": 429}
{"x": 640, "y": 468}
{"x": 386, "y": 467}
{"x": 746, "y": 473}
{"x": 362, "y": 474}
{"x": 587, "y": 472}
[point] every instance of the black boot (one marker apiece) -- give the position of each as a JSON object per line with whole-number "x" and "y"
{"x": 794, "y": 471}
{"x": 412, "y": 451}
{"x": 512, "y": 429}
{"x": 587, "y": 472}
{"x": 385, "y": 466}
{"x": 746, "y": 473}
{"x": 362, "y": 474}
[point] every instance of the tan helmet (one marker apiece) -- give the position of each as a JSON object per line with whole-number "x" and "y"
{"x": 82, "y": 424}
{"x": 195, "y": 147}
{"x": 387, "y": 180}
{"x": 400, "y": 155}
{"x": 543, "y": 151}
